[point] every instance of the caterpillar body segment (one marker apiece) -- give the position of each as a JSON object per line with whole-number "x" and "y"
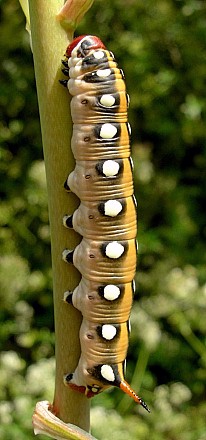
{"x": 102, "y": 302}
{"x": 106, "y": 217}
{"x": 98, "y": 180}
{"x": 107, "y": 261}
{"x": 88, "y": 144}
{"x": 115, "y": 219}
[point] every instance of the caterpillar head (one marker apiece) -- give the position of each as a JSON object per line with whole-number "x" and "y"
{"x": 80, "y": 46}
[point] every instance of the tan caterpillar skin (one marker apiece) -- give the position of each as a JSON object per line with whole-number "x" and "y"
{"x": 85, "y": 145}
{"x": 88, "y": 221}
{"x": 90, "y": 259}
{"x": 106, "y": 217}
{"x": 87, "y": 184}
{"x": 89, "y": 299}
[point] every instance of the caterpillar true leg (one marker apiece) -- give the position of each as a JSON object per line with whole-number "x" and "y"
{"x": 63, "y": 82}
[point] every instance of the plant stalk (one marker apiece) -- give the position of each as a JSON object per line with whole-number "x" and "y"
{"x": 49, "y": 42}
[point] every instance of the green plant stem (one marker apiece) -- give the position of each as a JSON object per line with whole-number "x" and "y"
{"x": 178, "y": 319}
{"x": 49, "y": 43}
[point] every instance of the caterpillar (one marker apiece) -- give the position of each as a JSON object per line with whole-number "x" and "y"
{"x": 106, "y": 217}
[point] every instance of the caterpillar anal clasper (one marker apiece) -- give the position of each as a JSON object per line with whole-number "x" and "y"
{"x": 106, "y": 217}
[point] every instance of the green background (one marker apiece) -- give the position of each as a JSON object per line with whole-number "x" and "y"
{"x": 161, "y": 46}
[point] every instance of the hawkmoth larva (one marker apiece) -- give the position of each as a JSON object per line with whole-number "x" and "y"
{"x": 106, "y": 216}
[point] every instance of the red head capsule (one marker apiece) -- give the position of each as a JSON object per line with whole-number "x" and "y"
{"x": 92, "y": 42}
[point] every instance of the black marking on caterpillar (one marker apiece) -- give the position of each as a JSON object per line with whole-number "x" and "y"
{"x": 100, "y": 145}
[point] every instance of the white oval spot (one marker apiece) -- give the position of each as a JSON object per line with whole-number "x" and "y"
{"x": 108, "y": 131}
{"x": 114, "y": 250}
{"x": 95, "y": 389}
{"x": 98, "y": 54}
{"x": 107, "y": 100}
{"x": 103, "y": 73}
{"x": 108, "y": 373}
{"x": 129, "y": 128}
{"x": 112, "y": 208}
{"x": 108, "y": 331}
{"x": 111, "y": 292}
{"x": 110, "y": 168}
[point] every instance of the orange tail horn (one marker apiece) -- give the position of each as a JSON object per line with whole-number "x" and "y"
{"x": 128, "y": 390}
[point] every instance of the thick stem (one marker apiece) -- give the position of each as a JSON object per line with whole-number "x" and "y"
{"x": 49, "y": 43}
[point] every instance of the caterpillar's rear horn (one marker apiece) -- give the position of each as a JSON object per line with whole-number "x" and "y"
{"x": 128, "y": 390}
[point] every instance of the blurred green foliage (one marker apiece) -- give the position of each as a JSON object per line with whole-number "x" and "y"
{"x": 161, "y": 47}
